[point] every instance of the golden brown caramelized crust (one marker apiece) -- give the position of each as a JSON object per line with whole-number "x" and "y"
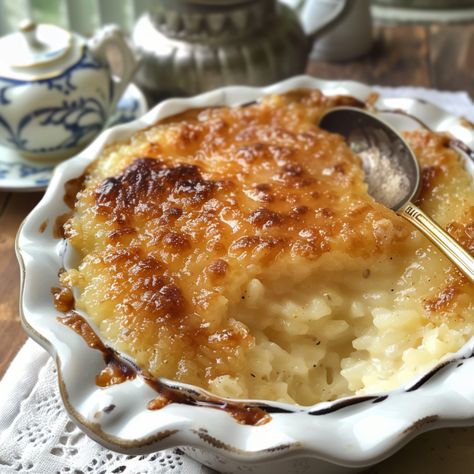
{"x": 174, "y": 224}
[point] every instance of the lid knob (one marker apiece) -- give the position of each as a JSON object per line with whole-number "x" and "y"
{"x": 34, "y": 46}
{"x": 28, "y": 29}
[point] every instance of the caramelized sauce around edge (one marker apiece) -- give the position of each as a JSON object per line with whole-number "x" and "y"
{"x": 43, "y": 226}
{"x": 119, "y": 370}
{"x": 242, "y": 413}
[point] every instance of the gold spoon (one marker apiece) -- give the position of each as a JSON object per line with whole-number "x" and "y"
{"x": 392, "y": 174}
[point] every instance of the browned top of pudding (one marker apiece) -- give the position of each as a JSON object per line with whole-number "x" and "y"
{"x": 173, "y": 224}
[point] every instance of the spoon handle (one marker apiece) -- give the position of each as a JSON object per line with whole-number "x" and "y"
{"x": 457, "y": 254}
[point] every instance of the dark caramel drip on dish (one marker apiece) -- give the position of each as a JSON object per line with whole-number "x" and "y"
{"x": 43, "y": 226}
{"x": 119, "y": 370}
{"x": 63, "y": 299}
{"x": 59, "y": 223}
{"x": 72, "y": 188}
{"x": 242, "y": 413}
{"x": 248, "y": 415}
{"x": 78, "y": 324}
{"x": 116, "y": 371}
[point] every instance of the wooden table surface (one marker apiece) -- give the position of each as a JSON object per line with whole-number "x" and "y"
{"x": 437, "y": 56}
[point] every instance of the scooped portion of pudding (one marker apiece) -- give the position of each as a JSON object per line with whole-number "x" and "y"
{"x": 238, "y": 249}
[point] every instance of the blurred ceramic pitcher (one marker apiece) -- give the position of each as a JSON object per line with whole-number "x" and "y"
{"x": 190, "y": 46}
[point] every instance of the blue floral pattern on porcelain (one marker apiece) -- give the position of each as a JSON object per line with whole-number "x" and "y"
{"x": 64, "y": 109}
{"x": 55, "y": 99}
{"x": 20, "y": 174}
{"x": 39, "y": 175}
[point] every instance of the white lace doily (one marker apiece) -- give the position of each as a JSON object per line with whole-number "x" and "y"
{"x": 36, "y": 435}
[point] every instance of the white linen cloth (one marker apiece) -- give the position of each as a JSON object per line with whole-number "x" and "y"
{"x": 37, "y": 437}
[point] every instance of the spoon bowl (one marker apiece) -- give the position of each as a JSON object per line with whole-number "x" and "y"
{"x": 392, "y": 174}
{"x": 390, "y": 167}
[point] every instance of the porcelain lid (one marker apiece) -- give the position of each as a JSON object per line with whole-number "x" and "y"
{"x": 34, "y": 47}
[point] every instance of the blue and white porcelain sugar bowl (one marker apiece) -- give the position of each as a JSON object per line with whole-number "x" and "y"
{"x": 57, "y": 90}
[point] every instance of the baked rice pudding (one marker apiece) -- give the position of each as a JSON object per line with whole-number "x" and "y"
{"x": 237, "y": 249}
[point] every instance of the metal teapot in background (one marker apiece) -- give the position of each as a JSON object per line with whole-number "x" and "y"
{"x": 191, "y": 46}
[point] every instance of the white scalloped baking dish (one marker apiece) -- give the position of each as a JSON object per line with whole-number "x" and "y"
{"x": 339, "y": 436}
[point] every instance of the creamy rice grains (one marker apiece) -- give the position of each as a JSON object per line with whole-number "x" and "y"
{"x": 237, "y": 249}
